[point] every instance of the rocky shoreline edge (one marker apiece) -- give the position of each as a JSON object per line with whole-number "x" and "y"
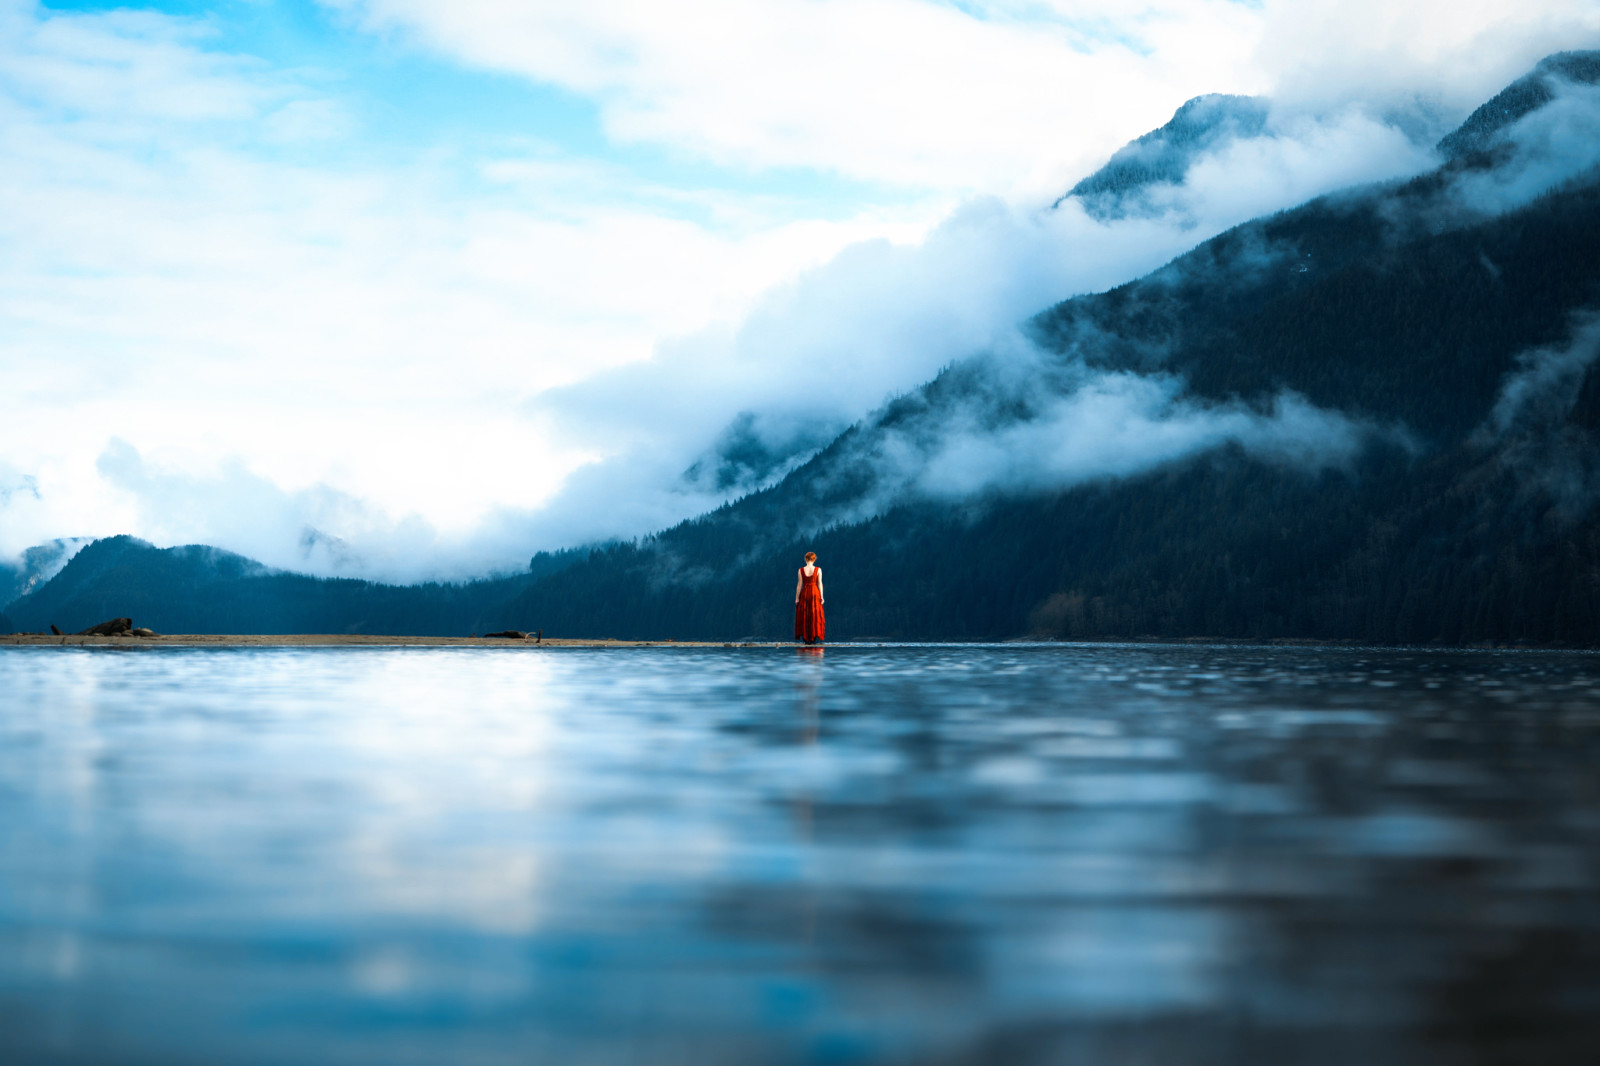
{"x": 297, "y": 640}
{"x": 301, "y": 640}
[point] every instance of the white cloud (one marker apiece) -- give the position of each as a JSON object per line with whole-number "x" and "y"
{"x": 998, "y": 97}
{"x": 1541, "y": 390}
{"x": 1558, "y": 142}
{"x": 1117, "y": 425}
{"x": 1022, "y": 420}
{"x": 821, "y": 352}
{"x": 373, "y": 331}
{"x": 1456, "y": 53}
{"x": 903, "y": 91}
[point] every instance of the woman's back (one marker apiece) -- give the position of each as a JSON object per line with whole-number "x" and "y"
{"x": 809, "y": 625}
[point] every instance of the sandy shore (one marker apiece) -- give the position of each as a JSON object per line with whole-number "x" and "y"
{"x": 350, "y": 640}
{"x": 303, "y": 640}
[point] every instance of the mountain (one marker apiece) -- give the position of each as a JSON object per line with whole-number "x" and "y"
{"x": 1448, "y": 338}
{"x": 35, "y": 566}
{"x": 1373, "y": 417}
{"x": 200, "y": 589}
{"x": 757, "y": 448}
{"x": 1163, "y": 156}
{"x": 747, "y": 454}
{"x": 1522, "y": 97}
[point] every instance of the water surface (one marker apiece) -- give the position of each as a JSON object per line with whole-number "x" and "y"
{"x": 1010, "y": 854}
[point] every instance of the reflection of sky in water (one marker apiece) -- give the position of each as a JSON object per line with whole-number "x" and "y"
{"x": 1007, "y": 854}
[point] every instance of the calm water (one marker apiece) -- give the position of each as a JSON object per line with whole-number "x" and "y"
{"x": 954, "y": 855}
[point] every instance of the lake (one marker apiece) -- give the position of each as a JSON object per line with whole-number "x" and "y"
{"x": 950, "y": 854}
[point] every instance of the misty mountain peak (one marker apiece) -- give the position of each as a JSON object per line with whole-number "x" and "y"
{"x": 753, "y": 451}
{"x": 1522, "y": 97}
{"x": 35, "y": 566}
{"x": 1163, "y": 156}
{"x": 111, "y": 553}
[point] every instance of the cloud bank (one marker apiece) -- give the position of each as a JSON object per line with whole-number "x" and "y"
{"x": 231, "y": 316}
{"x": 820, "y": 353}
{"x": 1021, "y": 421}
{"x": 991, "y": 96}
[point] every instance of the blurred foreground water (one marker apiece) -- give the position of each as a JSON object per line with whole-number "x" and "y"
{"x": 1012, "y": 854}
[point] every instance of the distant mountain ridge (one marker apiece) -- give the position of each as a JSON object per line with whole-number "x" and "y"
{"x": 753, "y": 452}
{"x": 1459, "y": 539}
{"x": 200, "y": 589}
{"x": 1394, "y": 306}
{"x": 1163, "y": 156}
{"x": 1519, "y": 99}
{"x": 1436, "y": 357}
{"x": 35, "y": 566}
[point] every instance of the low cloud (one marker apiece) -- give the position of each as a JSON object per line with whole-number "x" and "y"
{"x": 1549, "y": 147}
{"x": 1545, "y": 384}
{"x": 1021, "y": 421}
{"x": 819, "y": 354}
{"x": 1539, "y": 429}
{"x": 721, "y": 412}
{"x": 1123, "y": 424}
{"x": 193, "y": 261}
{"x": 317, "y": 531}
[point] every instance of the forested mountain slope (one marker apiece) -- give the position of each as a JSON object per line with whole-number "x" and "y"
{"x": 1525, "y": 95}
{"x": 34, "y": 567}
{"x": 1373, "y": 417}
{"x": 1163, "y": 156}
{"x": 1408, "y": 374}
{"x": 199, "y": 589}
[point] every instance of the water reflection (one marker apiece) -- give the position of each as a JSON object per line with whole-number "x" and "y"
{"x": 1012, "y": 854}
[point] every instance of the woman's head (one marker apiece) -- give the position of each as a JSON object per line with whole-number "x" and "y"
{"x": 811, "y": 557}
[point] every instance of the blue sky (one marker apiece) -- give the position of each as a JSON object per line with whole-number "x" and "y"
{"x": 430, "y": 278}
{"x": 401, "y": 99}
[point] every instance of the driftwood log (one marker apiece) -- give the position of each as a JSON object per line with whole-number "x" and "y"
{"x": 114, "y": 628}
{"x": 509, "y": 634}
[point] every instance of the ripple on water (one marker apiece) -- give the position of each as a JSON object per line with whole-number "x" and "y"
{"x": 954, "y": 854}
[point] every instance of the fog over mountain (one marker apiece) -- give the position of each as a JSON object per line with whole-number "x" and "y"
{"x": 1372, "y": 416}
{"x": 488, "y": 277}
{"x": 1493, "y": 121}
{"x": 733, "y": 408}
{"x": 718, "y": 417}
{"x": 1163, "y": 157}
{"x": 721, "y": 414}
{"x": 36, "y": 566}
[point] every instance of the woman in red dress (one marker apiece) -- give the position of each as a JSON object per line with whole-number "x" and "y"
{"x": 809, "y": 625}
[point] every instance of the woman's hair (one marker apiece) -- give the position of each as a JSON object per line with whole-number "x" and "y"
{"x": 811, "y": 557}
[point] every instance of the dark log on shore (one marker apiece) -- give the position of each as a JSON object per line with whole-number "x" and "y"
{"x": 114, "y": 628}
{"x": 509, "y": 634}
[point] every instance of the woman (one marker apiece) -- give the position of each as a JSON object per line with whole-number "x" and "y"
{"x": 809, "y": 624}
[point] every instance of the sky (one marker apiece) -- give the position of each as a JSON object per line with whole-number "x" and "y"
{"x": 405, "y": 289}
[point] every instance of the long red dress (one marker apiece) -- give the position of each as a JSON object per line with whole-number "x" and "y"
{"x": 809, "y": 624}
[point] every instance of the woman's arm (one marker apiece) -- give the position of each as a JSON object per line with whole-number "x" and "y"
{"x": 821, "y": 596}
{"x": 799, "y": 579}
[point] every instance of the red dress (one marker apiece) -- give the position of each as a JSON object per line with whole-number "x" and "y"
{"x": 809, "y": 624}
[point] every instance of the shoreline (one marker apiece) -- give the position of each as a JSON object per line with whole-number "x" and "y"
{"x": 350, "y": 640}
{"x": 360, "y": 640}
